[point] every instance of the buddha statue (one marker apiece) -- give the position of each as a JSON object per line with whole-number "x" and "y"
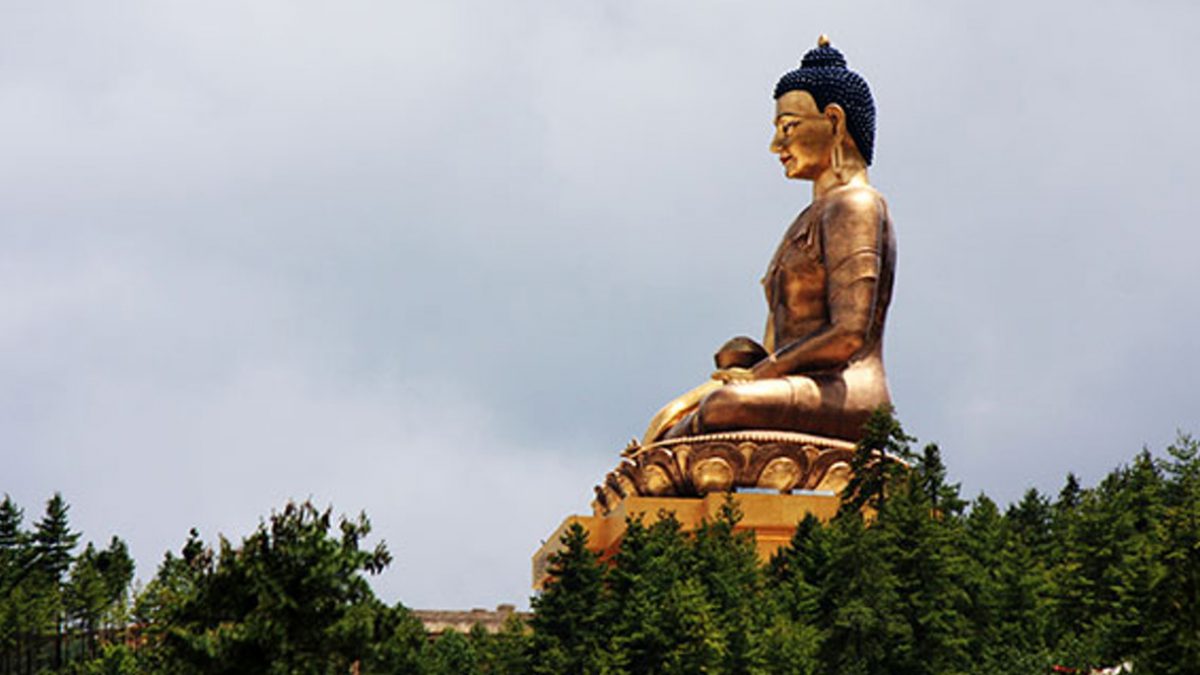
{"x": 819, "y": 368}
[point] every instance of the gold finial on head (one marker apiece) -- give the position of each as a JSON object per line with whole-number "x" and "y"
{"x": 823, "y": 40}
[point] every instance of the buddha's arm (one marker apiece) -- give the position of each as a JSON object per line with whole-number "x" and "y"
{"x": 853, "y": 239}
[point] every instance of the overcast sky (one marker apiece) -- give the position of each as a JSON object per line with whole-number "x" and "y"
{"x": 441, "y": 260}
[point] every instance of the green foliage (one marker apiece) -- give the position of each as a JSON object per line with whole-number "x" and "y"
{"x": 55, "y": 607}
{"x": 15, "y": 564}
{"x": 569, "y": 616}
{"x": 506, "y": 652}
{"x": 451, "y": 654}
{"x": 797, "y": 573}
{"x": 670, "y": 603}
{"x": 928, "y": 583}
{"x": 650, "y": 615}
{"x": 873, "y": 466}
{"x": 113, "y": 659}
{"x": 290, "y": 599}
{"x": 398, "y": 640}
{"x": 1171, "y": 619}
{"x": 726, "y": 568}
{"x": 54, "y": 540}
{"x": 97, "y": 593}
{"x": 861, "y": 601}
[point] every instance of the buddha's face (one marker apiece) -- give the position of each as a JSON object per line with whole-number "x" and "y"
{"x": 804, "y": 135}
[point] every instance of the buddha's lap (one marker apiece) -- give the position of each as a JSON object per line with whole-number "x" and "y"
{"x": 827, "y": 405}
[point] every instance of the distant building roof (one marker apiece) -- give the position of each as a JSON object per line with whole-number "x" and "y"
{"x": 438, "y": 621}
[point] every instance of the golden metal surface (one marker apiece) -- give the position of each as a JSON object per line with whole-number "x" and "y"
{"x": 782, "y": 461}
{"x": 819, "y": 368}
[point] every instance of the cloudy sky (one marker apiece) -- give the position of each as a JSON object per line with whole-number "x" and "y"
{"x": 441, "y": 260}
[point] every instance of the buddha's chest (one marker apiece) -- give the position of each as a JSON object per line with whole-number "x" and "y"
{"x": 795, "y": 282}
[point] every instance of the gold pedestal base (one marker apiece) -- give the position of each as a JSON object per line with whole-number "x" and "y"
{"x": 772, "y": 518}
{"x": 762, "y": 459}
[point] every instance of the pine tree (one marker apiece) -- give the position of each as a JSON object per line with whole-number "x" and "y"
{"x": 398, "y": 640}
{"x": 15, "y": 556}
{"x": 791, "y": 646}
{"x": 53, "y": 542}
{"x": 679, "y": 603}
{"x": 505, "y": 652}
{"x": 1078, "y": 527}
{"x": 795, "y": 578}
{"x": 983, "y": 540}
{"x": 1118, "y": 536}
{"x": 96, "y": 592}
{"x": 874, "y": 465}
{"x": 1141, "y": 569}
{"x": 86, "y": 596}
{"x": 1071, "y": 494}
{"x": 116, "y": 566}
{"x": 12, "y": 537}
{"x": 651, "y": 563}
{"x": 727, "y": 565}
{"x": 1171, "y": 626}
{"x": 568, "y": 622}
{"x": 451, "y": 654}
{"x": 1024, "y": 582}
{"x": 1030, "y": 521}
{"x": 868, "y": 634}
{"x": 921, "y": 526}
{"x": 699, "y": 645}
{"x": 930, "y": 480}
{"x": 291, "y": 599}
{"x": 797, "y": 572}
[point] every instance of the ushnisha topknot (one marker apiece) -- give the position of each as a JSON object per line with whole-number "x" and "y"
{"x": 823, "y": 74}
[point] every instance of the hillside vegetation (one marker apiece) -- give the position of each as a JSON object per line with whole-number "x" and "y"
{"x": 933, "y": 583}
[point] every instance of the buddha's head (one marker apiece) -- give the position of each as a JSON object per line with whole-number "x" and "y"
{"x": 824, "y": 115}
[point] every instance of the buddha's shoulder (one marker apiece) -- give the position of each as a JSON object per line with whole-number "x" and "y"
{"x": 860, "y": 204}
{"x": 854, "y": 198}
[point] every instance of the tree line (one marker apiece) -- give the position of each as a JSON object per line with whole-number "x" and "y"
{"x": 920, "y": 581}
{"x": 909, "y": 577}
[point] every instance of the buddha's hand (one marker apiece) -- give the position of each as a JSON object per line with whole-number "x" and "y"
{"x": 731, "y": 375}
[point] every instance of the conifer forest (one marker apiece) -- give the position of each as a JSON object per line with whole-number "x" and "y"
{"x": 928, "y": 581}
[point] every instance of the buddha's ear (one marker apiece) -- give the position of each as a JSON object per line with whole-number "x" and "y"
{"x": 836, "y": 115}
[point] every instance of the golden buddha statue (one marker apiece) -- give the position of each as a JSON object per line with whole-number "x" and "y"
{"x": 819, "y": 369}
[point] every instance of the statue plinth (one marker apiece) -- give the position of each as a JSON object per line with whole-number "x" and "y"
{"x": 691, "y": 477}
{"x": 772, "y": 518}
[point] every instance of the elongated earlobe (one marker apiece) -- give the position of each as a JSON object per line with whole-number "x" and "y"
{"x": 837, "y": 159}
